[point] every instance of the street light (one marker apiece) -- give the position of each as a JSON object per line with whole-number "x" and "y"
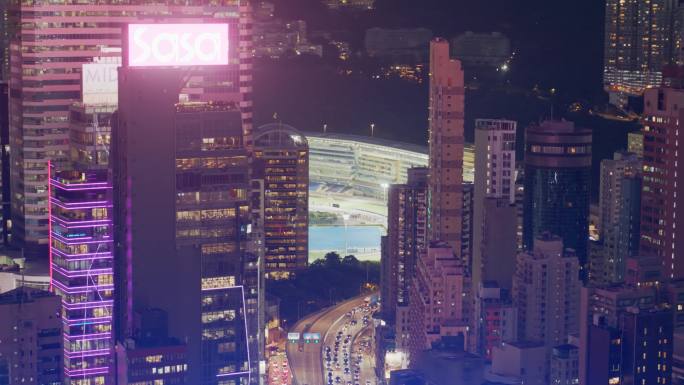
{"x": 372, "y": 129}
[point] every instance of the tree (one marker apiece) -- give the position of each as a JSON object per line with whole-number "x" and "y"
{"x": 350, "y": 260}
{"x": 332, "y": 259}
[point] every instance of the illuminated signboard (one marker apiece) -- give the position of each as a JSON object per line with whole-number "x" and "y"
{"x": 312, "y": 338}
{"x": 294, "y": 337}
{"x": 161, "y": 45}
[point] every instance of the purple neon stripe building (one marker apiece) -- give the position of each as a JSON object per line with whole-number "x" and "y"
{"x": 85, "y": 284}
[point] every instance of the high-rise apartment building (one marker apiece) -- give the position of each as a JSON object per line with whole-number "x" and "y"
{"x": 662, "y": 234}
{"x": 447, "y": 103}
{"x": 52, "y": 40}
{"x": 184, "y": 226}
{"x": 619, "y": 217}
{"x": 546, "y": 291}
{"x": 496, "y": 318}
{"x": 406, "y": 239}
{"x": 557, "y": 183}
{"x": 5, "y": 211}
{"x": 494, "y": 202}
{"x": 281, "y": 159}
{"x": 440, "y": 299}
{"x": 641, "y": 37}
{"x": 30, "y": 337}
{"x": 5, "y": 32}
{"x": 467, "y": 211}
{"x": 82, "y": 271}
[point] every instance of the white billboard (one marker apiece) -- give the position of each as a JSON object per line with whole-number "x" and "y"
{"x": 100, "y": 83}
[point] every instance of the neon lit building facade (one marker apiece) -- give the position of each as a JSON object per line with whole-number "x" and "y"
{"x": 82, "y": 271}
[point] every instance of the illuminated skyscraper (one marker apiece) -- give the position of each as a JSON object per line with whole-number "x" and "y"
{"x": 662, "y": 233}
{"x": 406, "y": 238}
{"x": 446, "y": 146}
{"x": 281, "y": 159}
{"x": 494, "y": 238}
{"x": 641, "y": 37}
{"x": 184, "y": 227}
{"x": 52, "y": 42}
{"x": 619, "y": 205}
{"x": 557, "y": 179}
{"x": 81, "y": 271}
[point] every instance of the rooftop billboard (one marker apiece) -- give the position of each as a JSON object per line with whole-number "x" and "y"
{"x": 174, "y": 45}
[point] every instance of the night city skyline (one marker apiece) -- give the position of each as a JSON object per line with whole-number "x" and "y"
{"x": 341, "y": 192}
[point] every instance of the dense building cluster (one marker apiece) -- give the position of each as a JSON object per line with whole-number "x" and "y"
{"x": 536, "y": 298}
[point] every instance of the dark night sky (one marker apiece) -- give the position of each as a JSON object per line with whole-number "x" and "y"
{"x": 559, "y": 41}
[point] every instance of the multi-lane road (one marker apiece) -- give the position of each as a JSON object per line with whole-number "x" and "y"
{"x": 307, "y": 360}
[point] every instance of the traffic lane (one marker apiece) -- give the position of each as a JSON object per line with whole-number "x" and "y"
{"x": 306, "y": 365}
{"x": 348, "y": 328}
{"x": 341, "y": 324}
{"x": 367, "y": 361}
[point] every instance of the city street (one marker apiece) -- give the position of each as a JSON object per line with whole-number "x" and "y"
{"x": 307, "y": 360}
{"x": 347, "y": 352}
{"x": 278, "y": 370}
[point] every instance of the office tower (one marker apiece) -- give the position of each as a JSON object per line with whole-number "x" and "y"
{"x": 45, "y": 83}
{"x": 90, "y": 119}
{"x": 662, "y": 180}
{"x": 182, "y": 192}
{"x": 635, "y": 143}
{"x": 152, "y": 356}
{"x": 557, "y": 183}
{"x": 406, "y": 239}
{"x": 497, "y": 318}
{"x": 446, "y": 111}
{"x": 5, "y": 221}
{"x": 600, "y": 339}
{"x": 439, "y": 303}
{"x": 647, "y": 345}
{"x": 637, "y": 350}
{"x": 546, "y": 291}
{"x": 82, "y": 271}
{"x": 281, "y": 159}
{"x": 30, "y": 337}
{"x": 494, "y": 202}
{"x": 641, "y": 37}
{"x": 564, "y": 365}
{"x": 619, "y": 218}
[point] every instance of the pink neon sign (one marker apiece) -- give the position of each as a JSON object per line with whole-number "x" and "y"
{"x": 154, "y": 45}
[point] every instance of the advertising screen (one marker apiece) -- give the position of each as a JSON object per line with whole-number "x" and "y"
{"x": 164, "y": 45}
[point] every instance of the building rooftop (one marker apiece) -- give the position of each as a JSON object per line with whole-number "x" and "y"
{"x": 370, "y": 140}
{"x": 23, "y": 294}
